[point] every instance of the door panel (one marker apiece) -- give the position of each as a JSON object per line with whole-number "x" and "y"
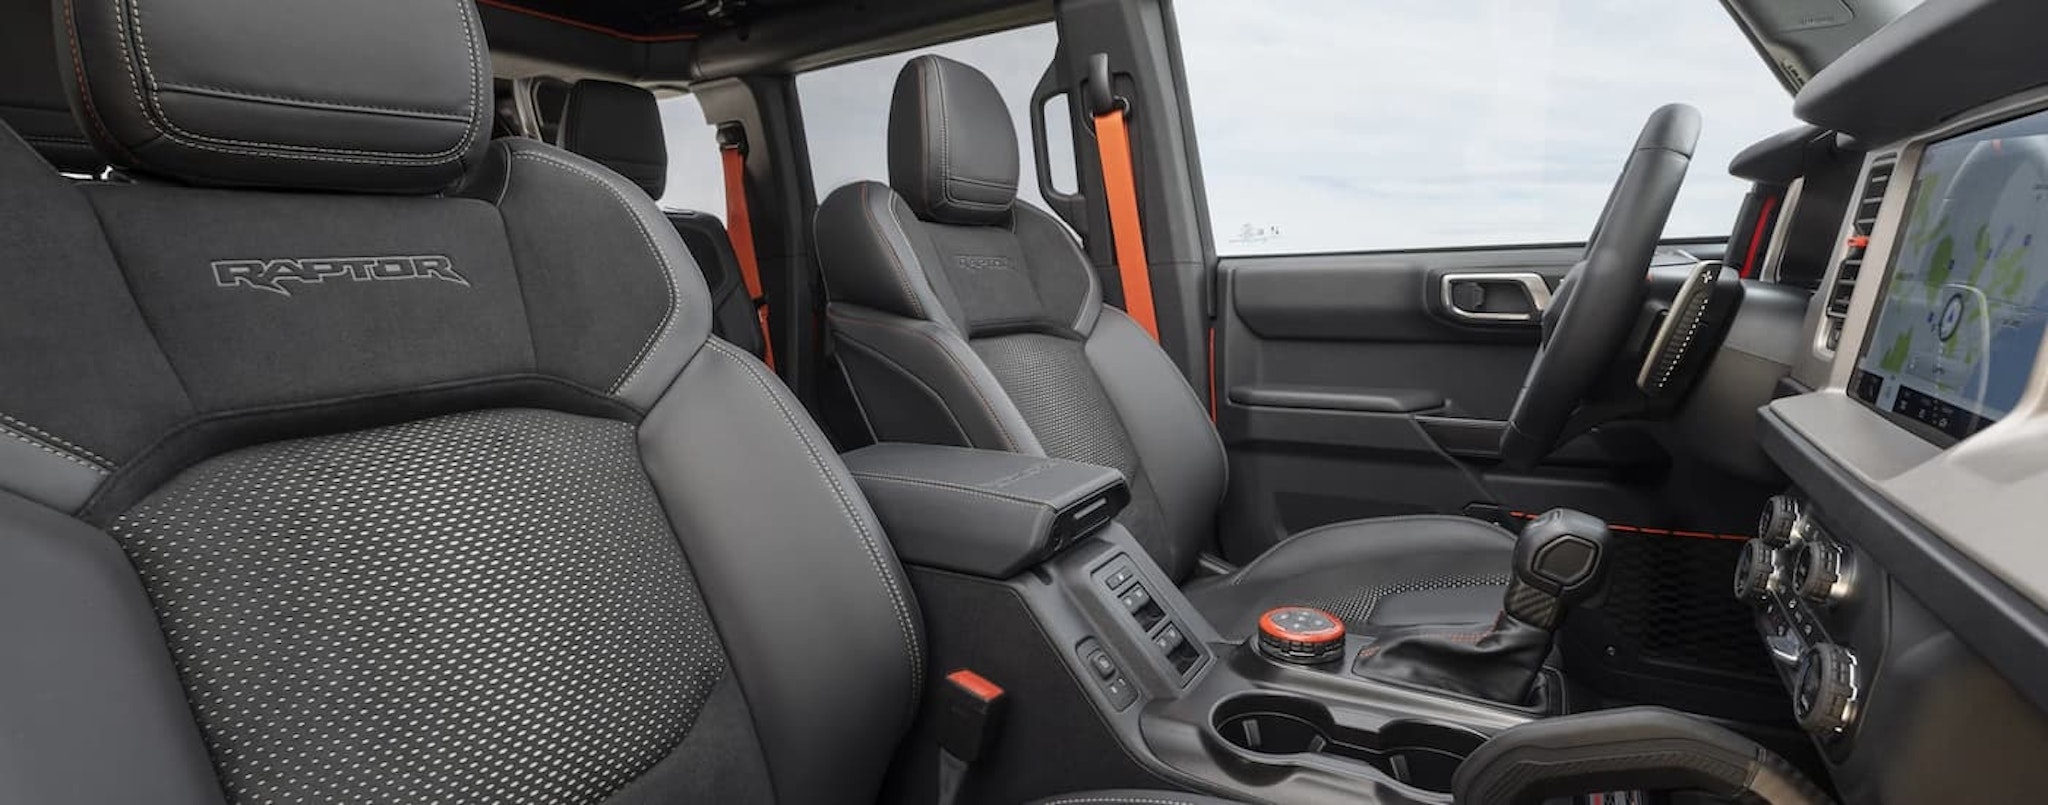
{"x": 1349, "y": 388}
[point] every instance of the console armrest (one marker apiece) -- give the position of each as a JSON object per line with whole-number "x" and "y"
{"x": 983, "y": 512}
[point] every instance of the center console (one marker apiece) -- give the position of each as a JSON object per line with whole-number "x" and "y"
{"x": 1114, "y": 680}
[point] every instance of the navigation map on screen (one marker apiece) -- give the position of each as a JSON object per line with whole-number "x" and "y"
{"x": 1967, "y": 305}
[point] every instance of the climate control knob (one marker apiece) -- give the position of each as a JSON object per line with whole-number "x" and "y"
{"x": 1780, "y": 517}
{"x": 1817, "y": 573}
{"x": 1755, "y": 572}
{"x": 1824, "y": 696}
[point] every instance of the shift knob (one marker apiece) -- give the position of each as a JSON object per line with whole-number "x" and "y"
{"x": 1560, "y": 562}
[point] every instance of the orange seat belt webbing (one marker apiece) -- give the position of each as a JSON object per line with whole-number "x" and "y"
{"x": 739, "y": 226}
{"x": 1113, "y": 141}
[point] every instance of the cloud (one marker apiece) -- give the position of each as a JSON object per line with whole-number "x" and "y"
{"x": 1345, "y": 125}
{"x": 1392, "y": 124}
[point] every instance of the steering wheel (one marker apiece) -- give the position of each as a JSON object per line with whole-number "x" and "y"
{"x": 1594, "y": 306}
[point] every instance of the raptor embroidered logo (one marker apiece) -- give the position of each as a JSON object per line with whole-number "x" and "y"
{"x": 279, "y": 275}
{"x": 976, "y": 263}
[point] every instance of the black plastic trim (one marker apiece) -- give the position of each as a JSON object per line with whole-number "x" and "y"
{"x": 2004, "y": 627}
{"x": 1929, "y": 65}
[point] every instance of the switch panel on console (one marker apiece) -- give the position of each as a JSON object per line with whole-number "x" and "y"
{"x": 1144, "y": 610}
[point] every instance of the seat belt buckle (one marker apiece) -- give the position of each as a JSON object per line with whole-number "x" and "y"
{"x": 970, "y": 714}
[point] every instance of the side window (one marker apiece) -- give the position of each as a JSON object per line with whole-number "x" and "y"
{"x": 1403, "y": 124}
{"x": 846, "y": 107}
{"x": 696, "y": 180}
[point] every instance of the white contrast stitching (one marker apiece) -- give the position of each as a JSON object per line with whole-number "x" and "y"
{"x": 209, "y": 89}
{"x": 39, "y": 445}
{"x": 902, "y": 275}
{"x": 55, "y": 440}
{"x": 668, "y": 319}
{"x": 153, "y": 111}
{"x": 904, "y": 623}
{"x": 1115, "y": 801}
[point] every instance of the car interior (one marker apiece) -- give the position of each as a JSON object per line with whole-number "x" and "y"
{"x": 1073, "y": 402}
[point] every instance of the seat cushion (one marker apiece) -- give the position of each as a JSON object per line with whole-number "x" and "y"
{"x": 1382, "y": 571}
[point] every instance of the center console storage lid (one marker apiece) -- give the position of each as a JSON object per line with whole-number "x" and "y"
{"x": 983, "y": 512}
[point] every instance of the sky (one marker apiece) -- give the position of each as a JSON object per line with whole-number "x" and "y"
{"x": 1349, "y": 125}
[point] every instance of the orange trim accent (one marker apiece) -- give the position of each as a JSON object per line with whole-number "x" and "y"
{"x": 1859, "y": 241}
{"x": 1277, "y": 632}
{"x": 614, "y": 33}
{"x": 1756, "y": 236}
{"x": 739, "y": 226}
{"x": 1655, "y": 532}
{"x": 976, "y": 685}
{"x": 1113, "y": 142}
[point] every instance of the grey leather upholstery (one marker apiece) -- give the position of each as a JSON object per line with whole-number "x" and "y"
{"x": 376, "y": 95}
{"x": 32, "y": 96}
{"x": 162, "y": 345}
{"x": 316, "y": 496}
{"x": 966, "y": 317}
{"x": 1023, "y": 508}
{"x": 952, "y": 153}
{"x": 618, "y": 126}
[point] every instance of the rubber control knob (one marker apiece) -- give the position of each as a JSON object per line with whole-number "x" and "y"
{"x": 1301, "y": 636}
{"x": 1817, "y": 576}
{"x": 1755, "y": 572}
{"x": 1774, "y": 527}
{"x": 1824, "y": 690}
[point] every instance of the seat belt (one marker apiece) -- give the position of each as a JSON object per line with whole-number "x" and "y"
{"x": 739, "y": 227}
{"x": 969, "y": 711}
{"x": 1120, "y": 184}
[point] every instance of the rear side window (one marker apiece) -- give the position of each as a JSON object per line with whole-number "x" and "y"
{"x": 696, "y": 180}
{"x": 1339, "y": 125}
{"x": 846, "y": 106}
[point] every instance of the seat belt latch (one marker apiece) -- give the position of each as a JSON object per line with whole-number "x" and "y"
{"x": 970, "y": 713}
{"x": 970, "y": 710}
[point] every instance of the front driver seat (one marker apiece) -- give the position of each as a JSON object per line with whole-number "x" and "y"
{"x": 964, "y": 316}
{"x": 321, "y": 481}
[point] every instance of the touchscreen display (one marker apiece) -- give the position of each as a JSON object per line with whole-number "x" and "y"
{"x": 1963, "y": 315}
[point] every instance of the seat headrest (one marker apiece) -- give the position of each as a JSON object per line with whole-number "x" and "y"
{"x": 617, "y": 126}
{"x": 952, "y": 148}
{"x": 32, "y": 94}
{"x": 388, "y": 96}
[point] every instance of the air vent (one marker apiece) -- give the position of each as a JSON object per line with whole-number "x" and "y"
{"x": 1868, "y": 204}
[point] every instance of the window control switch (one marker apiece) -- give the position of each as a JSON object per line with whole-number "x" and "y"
{"x": 1168, "y": 639}
{"x": 1136, "y": 599}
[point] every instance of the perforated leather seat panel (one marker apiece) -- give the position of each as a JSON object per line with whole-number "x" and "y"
{"x": 483, "y": 607}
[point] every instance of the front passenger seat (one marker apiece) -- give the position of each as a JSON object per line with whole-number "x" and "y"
{"x": 966, "y": 317}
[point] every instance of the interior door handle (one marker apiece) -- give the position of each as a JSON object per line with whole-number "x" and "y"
{"x": 1512, "y": 297}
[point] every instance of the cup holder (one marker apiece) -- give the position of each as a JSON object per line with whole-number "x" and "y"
{"x": 1274, "y": 729}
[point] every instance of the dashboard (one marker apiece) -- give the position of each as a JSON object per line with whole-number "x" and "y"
{"x": 1900, "y": 581}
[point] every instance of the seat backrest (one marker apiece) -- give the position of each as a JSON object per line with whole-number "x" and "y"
{"x": 964, "y": 316}
{"x": 619, "y": 126}
{"x": 31, "y": 95}
{"x": 346, "y": 456}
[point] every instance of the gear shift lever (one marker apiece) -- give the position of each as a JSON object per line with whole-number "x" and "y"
{"x": 1560, "y": 561}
